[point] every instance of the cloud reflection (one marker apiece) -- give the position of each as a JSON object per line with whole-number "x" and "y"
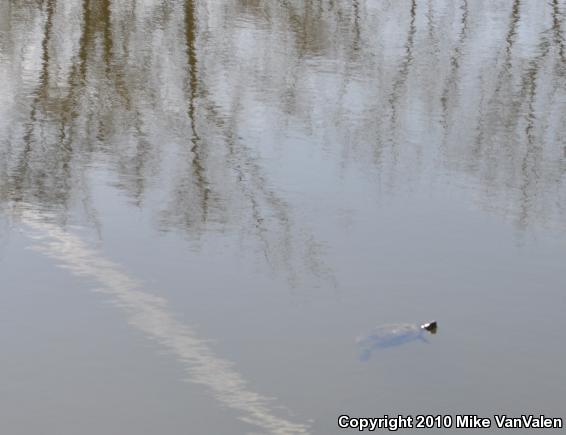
{"x": 150, "y": 315}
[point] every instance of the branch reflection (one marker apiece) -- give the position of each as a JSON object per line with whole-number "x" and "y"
{"x": 167, "y": 95}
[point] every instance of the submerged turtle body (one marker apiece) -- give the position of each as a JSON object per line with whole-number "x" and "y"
{"x": 392, "y": 335}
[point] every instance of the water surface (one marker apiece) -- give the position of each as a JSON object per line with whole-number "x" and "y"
{"x": 202, "y": 204}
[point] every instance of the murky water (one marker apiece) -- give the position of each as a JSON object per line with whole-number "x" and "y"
{"x": 203, "y": 204}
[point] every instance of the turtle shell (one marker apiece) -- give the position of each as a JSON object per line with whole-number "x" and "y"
{"x": 390, "y": 335}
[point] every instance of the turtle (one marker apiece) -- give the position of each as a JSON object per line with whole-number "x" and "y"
{"x": 392, "y": 335}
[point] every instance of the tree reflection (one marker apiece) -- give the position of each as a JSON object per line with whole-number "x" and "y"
{"x": 162, "y": 95}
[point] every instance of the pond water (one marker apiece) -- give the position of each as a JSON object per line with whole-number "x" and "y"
{"x": 203, "y": 204}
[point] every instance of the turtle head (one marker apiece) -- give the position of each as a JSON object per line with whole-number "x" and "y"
{"x": 430, "y": 327}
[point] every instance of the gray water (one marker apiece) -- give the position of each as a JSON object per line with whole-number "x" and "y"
{"x": 203, "y": 204}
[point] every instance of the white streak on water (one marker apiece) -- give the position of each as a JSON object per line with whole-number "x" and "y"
{"x": 149, "y": 314}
